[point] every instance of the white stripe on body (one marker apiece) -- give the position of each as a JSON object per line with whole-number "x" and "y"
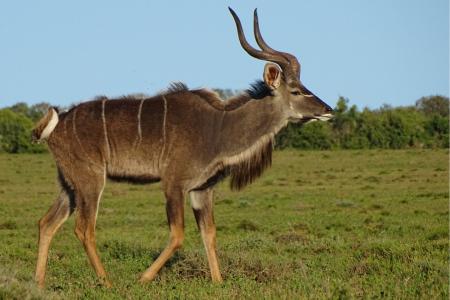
{"x": 108, "y": 150}
{"x": 163, "y": 131}
{"x": 139, "y": 138}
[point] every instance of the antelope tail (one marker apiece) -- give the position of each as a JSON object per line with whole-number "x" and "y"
{"x": 45, "y": 126}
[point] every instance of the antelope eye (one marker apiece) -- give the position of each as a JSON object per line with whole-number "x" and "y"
{"x": 296, "y": 93}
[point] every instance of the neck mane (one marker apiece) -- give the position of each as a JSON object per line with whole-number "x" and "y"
{"x": 257, "y": 91}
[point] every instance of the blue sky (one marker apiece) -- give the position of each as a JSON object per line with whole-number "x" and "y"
{"x": 373, "y": 52}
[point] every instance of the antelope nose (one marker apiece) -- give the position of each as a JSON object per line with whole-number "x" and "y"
{"x": 328, "y": 109}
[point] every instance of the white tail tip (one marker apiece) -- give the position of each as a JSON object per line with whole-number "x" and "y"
{"x": 46, "y": 125}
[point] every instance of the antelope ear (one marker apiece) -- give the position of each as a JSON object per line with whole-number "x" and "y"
{"x": 272, "y": 75}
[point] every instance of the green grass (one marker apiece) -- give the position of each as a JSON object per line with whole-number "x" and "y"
{"x": 330, "y": 224}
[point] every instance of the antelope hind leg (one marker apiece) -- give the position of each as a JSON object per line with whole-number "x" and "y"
{"x": 87, "y": 201}
{"x": 48, "y": 226}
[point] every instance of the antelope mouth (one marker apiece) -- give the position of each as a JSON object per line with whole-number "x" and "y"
{"x": 324, "y": 117}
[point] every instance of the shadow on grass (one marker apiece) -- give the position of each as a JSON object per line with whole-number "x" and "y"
{"x": 193, "y": 264}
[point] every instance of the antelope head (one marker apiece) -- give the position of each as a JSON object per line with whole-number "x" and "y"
{"x": 282, "y": 76}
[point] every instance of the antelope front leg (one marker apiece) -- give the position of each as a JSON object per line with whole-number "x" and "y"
{"x": 202, "y": 205}
{"x": 175, "y": 216}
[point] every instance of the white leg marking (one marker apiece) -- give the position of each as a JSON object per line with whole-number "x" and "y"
{"x": 196, "y": 202}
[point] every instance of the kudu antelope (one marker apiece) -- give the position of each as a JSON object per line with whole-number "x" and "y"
{"x": 187, "y": 139}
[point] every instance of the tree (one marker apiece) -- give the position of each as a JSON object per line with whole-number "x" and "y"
{"x": 20, "y": 108}
{"x": 344, "y": 123}
{"x": 434, "y": 105}
{"x": 35, "y": 112}
{"x": 225, "y": 93}
{"x": 38, "y": 110}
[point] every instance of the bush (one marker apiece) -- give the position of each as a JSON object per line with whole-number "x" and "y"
{"x": 15, "y": 133}
{"x": 424, "y": 126}
{"x": 315, "y": 135}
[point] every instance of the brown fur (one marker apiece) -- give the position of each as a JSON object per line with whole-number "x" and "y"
{"x": 98, "y": 139}
{"x": 188, "y": 140}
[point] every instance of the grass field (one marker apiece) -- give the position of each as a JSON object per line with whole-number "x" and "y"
{"x": 342, "y": 224}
